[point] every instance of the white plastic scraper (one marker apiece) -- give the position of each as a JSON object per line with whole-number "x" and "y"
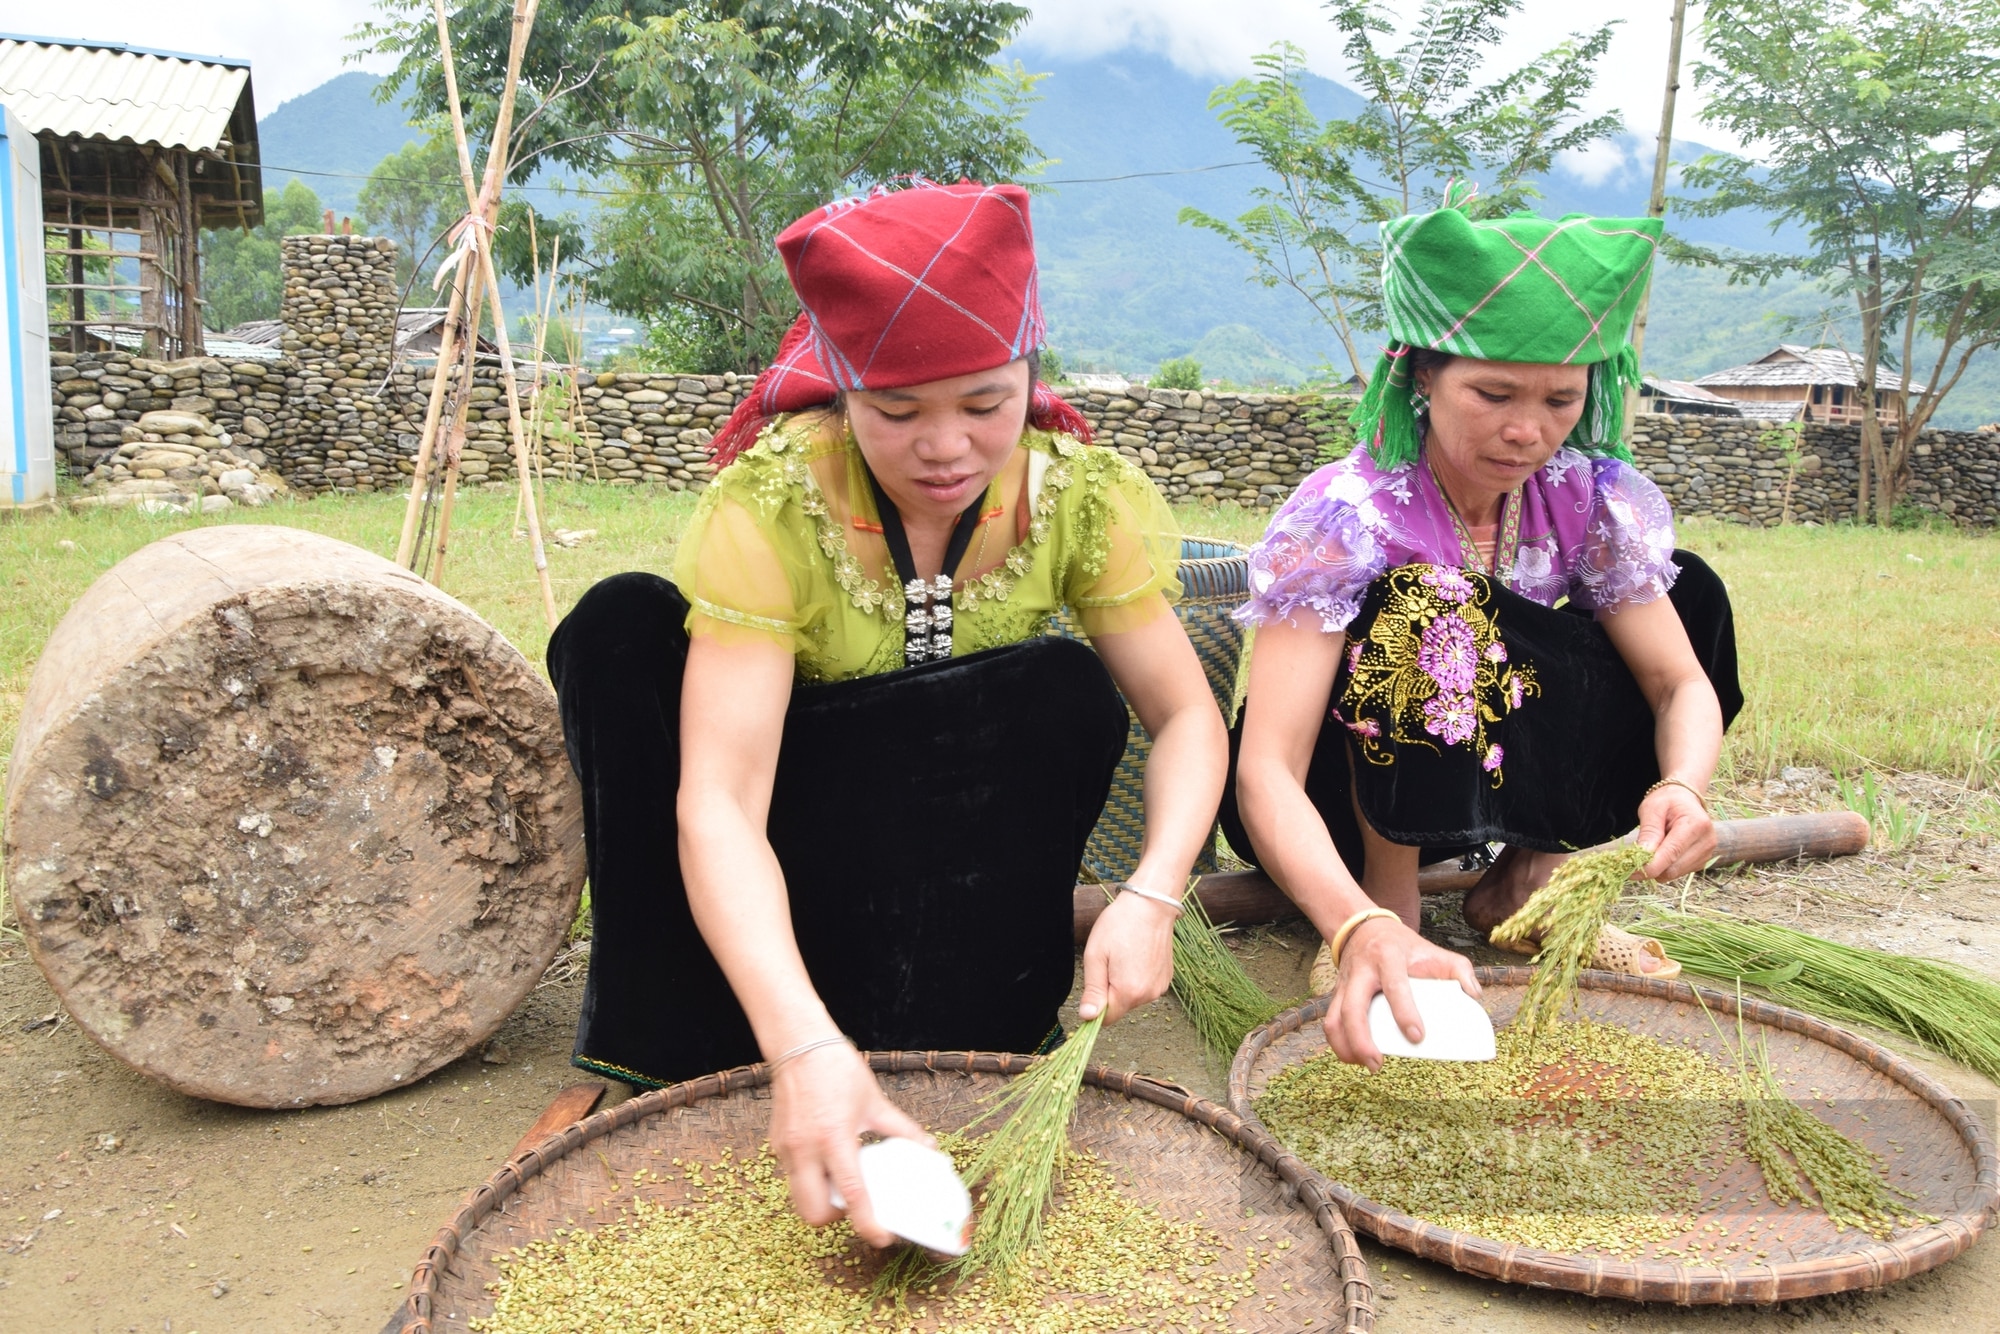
{"x": 917, "y": 1194}
{"x": 1456, "y": 1027}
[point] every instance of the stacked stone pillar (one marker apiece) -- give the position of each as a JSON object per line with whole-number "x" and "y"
{"x": 340, "y": 330}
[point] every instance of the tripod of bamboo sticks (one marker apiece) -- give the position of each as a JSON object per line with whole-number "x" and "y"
{"x": 474, "y": 282}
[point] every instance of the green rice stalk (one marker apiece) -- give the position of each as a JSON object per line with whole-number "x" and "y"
{"x": 1019, "y": 1161}
{"x": 1944, "y": 1007}
{"x": 1219, "y": 997}
{"x": 1807, "y": 1161}
{"x": 1569, "y": 911}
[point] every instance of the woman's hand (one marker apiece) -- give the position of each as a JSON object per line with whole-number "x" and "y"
{"x": 1675, "y": 828}
{"x": 1129, "y": 959}
{"x": 1382, "y": 956}
{"x": 821, "y": 1103}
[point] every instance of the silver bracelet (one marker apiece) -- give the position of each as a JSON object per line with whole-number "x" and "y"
{"x": 792, "y": 1054}
{"x": 1154, "y": 895}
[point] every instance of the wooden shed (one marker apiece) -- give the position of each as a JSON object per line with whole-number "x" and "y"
{"x": 141, "y": 150}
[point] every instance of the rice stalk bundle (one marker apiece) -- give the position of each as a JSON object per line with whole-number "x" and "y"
{"x": 1219, "y": 997}
{"x": 1942, "y": 1006}
{"x": 1568, "y": 911}
{"x": 1018, "y": 1162}
{"x": 1807, "y": 1161}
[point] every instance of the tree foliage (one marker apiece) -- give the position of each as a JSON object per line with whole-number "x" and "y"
{"x": 1314, "y": 229}
{"x": 412, "y": 196}
{"x": 1873, "y": 124}
{"x": 713, "y": 125}
{"x": 241, "y": 276}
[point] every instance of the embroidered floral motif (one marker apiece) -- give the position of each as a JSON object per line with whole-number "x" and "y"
{"x": 998, "y": 582}
{"x": 1431, "y": 670}
{"x": 1451, "y": 585}
{"x": 1450, "y": 718}
{"x": 1447, "y": 653}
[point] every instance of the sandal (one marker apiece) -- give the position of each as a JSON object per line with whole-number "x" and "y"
{"x": 1617, "y": 951}
{"x": 1324, "y": 974}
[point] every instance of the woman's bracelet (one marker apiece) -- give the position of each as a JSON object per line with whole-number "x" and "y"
{"x": 1152, "y": 894}
{"x": 1678, "y": 782}
{"x": 1348, "y": 928}
{"x": 793, "y": 1053}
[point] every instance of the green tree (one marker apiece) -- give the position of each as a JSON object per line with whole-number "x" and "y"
{"x": 1314, "y": 229}
{"x": 715, "y": 124}
{"x": 240, "y": 271}
{"x": 412, "y": 196}
{"x": 1875, "y": 127}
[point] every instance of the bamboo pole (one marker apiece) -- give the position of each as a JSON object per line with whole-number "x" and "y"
{"x": 1656, "y": 205}
{"x": 483, "y": 204}
{"x": 433, "y": 411}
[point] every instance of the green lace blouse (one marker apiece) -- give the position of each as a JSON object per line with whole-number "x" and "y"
{"x": 786, "y": 547}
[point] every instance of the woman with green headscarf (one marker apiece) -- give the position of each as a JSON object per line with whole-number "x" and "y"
{"x": 1476, "y": 628}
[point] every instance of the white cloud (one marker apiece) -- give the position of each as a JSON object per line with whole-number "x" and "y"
{"x": 1199, "y": 36}
{"x": 293, "y": 47}
{"x": 1599, "y": 162}
{"x": 1220, "y": 38}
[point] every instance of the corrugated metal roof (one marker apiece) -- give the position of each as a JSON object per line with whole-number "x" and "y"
{"x": 118, "y": 93}
{"x": 1682, "y": 389}
{"x": 1789, "y": 364}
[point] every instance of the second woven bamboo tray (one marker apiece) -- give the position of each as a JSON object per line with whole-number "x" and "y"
{"x": 1187, "y": 1157}
{"x": 1933, "y": 1144}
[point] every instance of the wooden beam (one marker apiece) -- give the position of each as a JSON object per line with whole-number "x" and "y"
{"x": 1248, "y": 898}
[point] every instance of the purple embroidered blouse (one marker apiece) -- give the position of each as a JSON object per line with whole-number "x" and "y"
{"x": 1595, "y": 530}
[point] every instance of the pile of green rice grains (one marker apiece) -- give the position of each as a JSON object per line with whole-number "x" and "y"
{"x": 736, "y": 1257}
{"x": 1580, "y": 1136}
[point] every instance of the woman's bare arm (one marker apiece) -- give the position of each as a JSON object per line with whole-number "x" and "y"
{"x": 1291, "y": 681}
{"x": 733, "y": 701}
{"x": 1128, "y": 960}
{"x": 1687, "y": 732}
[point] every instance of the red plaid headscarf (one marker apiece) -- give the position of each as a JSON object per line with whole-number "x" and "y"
{"x": 899, "y": 288}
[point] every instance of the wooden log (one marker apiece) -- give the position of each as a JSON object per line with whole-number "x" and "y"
{"x": 568, "y": 1107}
{"x": 286, "y": 825}
{"x": 1248, "y": 897}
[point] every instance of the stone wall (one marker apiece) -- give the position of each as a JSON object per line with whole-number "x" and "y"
{"x": 334, "y": 414}
{"x": 1728, "y": 468}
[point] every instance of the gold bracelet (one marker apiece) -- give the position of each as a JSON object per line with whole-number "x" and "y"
{"x": 1678, "y": 782}
{"x": 1348, "y": 927}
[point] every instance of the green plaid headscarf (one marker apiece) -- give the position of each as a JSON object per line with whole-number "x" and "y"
{"x": 1522, "y": 288}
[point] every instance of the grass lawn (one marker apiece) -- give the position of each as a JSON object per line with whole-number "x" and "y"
{"x": 1861, "y": 648}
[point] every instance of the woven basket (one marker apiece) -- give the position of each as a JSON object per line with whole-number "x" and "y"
{"x": 1154, "y": 1135}
{"x": 1947, "y": 1158}
{"x": 1215, "y": 578}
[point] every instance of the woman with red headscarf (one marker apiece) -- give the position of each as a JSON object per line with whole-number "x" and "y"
{"x": 837, "y": 775}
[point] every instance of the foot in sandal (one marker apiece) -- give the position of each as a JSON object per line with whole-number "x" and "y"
{"x": 1517, "y": 873}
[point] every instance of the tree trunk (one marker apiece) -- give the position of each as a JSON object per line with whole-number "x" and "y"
{"x": 285, "y": 825}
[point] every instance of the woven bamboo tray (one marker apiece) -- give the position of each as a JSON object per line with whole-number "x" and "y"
{"x": 1155, "y": 1136}
{"x": 1946, "y": 1159}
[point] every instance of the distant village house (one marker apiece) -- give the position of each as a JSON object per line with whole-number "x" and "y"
{"x": 1815, "y": 384}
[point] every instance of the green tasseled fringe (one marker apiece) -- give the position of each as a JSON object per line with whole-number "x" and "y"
{"x": 1601, "y": 429}
{"x": 1386, "y": 423}
{"x": 1384, "y": 420}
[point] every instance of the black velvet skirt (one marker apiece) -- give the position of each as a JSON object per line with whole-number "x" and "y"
{"x": 1465, "y": 714}
{"x": 929, "y": 823}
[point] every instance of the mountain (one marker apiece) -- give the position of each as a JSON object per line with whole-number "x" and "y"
{"x": 331, "y": 138}
{"x": 1126, "y": 286}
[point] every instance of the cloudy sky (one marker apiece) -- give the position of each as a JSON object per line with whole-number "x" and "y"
{"x": 295, "y": 45}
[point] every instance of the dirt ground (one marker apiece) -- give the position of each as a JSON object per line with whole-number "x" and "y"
{"x": 124, "y": 1207}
